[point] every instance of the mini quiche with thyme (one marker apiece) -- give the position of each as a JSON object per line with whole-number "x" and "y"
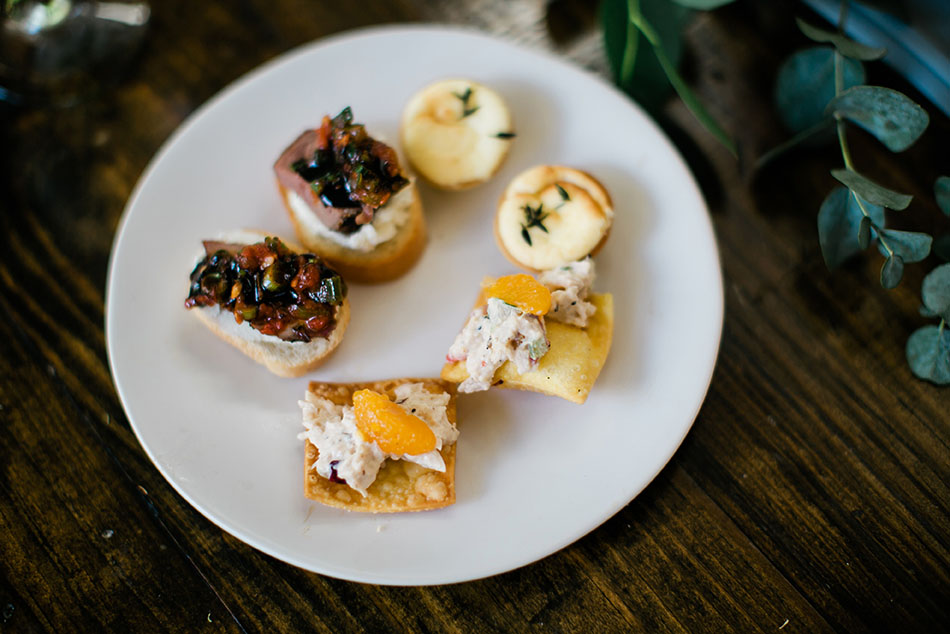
{"x": 456, "y": 133}
{"x": 551, "y": 215}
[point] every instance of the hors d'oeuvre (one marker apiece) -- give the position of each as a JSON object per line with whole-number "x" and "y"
{"x": 551, "y": 215}
{"x": 283, "y": 308}
{"x": 350, "y": 202}
{"x": 383, "y": 447}
{"x": 548, "y": 335}
{"x": 456, "y": 133}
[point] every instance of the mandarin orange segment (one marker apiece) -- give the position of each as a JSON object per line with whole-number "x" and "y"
{"x": 522, "y": 291}
{"x": 395, "y": 430}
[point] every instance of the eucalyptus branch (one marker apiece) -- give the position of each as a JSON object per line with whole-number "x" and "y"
{"x": 928, "y": 347}
{"x": 781, "y": 148}
{"x": 817, "y": 88}
{"x": 842, "y": 131}
{"x": 843, "y": 139}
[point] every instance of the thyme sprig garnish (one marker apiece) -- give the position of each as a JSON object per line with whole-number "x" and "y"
{"x": 465, "y": 97}
{"x": 533, "y": 217}
{"x": 505, "y": 135}
{"x": 560, "y": 190}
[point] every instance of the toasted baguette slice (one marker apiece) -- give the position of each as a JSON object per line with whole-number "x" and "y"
{"x": 400, "y": 486}
{"x": 283, "y": 358}
{"x": 572, "y": 363}
{"x": 385, "y": 262}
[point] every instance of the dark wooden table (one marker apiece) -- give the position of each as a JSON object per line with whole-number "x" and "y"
{"x": 811, "y": 494}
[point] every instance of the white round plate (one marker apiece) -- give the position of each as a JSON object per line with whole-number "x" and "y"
{"x": 534, "y": 473}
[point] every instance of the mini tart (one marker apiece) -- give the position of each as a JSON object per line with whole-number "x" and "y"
{"x": 456, "y": 133}
{"x": 551, "y": 215}
{"x": 400, "y": 486}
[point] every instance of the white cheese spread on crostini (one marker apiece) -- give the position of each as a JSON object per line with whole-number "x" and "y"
{"x": 386, "y": 223}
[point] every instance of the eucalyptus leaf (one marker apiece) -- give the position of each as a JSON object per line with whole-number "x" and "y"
{"x": 839, "y": 222}
{"x": 911, "y": 246}
{"x": 941, "y": 247}
{"x": 926, "y": 312}
{"x": 892, "y": 271}
{"x": 871, "y": 191}
{"x": 806, "y": 83}
{"x": 891, "y": 116}
{"x": 928, "y": 353}
{"x": 864, "y": 232}
{"x": 703, "y": 5}
{"x": 845, "y": 45}
{"x": 942, "y": 193}
{"x": 935, "y": 291}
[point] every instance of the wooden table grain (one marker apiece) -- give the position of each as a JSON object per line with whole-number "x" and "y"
{"x": 811, "y": 494}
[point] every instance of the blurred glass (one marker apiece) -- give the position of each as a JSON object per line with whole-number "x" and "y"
{"x": 56, "y": 52}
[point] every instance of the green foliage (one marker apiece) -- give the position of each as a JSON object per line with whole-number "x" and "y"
{"x": 871, "y": 191}
{"x": 633, "y": 61}
{"x": 928, "y": 349}
{"x": 928, "y": 353}
{"x": 891, "y": 116}
{"x": 935, "y": 292}
{"x": 942, "y": 194}
{"x": 816, "y": 89}
{"x": 941, "y": 246}
{"x": 840, "y": 223}
{"x": 642, "y": 39}
{"x": 892, "y": 271}
{"x": 617, "y": 30}
{"x": 806, "y": 83}
{"x": 912, "y": 246}
{"x": 817, "y": 86}
{"x": 897, "y": 122}
{"x": 845, "y": 45}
